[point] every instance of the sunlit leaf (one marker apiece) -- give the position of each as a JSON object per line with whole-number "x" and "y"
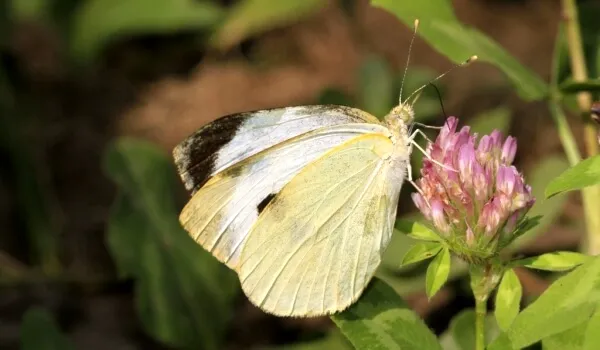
{"x": 437, "y": 272}
{"x": 591, "y": 340}
{"x": 382, "y": 320}
{"x": 571, "y": 339}
{"x": 421, "y": 251}
{"x": 184, "y": 296}
{"x": 508, "y": 299}
{"x": 416, "y": 230}
{"x": 555, "y": 261}
{"x": 568, "y": 302}
{"x": 585, "y": 173}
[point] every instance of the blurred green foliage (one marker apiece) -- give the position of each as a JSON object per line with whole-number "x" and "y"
{"x": 39, "y": 331}
{"x": 184, "y": 295}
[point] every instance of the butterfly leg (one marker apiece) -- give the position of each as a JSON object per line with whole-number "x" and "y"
{"x": 411, "y": 139}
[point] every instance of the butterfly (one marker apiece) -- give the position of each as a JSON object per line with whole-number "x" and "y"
{"x": 299, "y": 201}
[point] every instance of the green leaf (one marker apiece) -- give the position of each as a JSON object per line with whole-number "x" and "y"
{"x": 40, "y": 332}
{"x": 97, "y": 21}
{"x": 382, "y": 320}
{"x": 462, "y": 328}
{"x": 416, "y": 230}
{"x": 508, "y": 299}
{"x": 333, "y": 340}
{"x": 461, "y": 331}
{"x": 495, "y": 119}
{"x": 568, "y": 302}
{"x": 184, "y": 296}
{"x": 250, "y": 17}
{"x": 556, "y": 261}
{"x": 591, "y": 340}
{"x": 376, "y": 87}
{"x": 442, "y": 30}
{"x": 570, "y": 86}
{"x": 571, "y": 339}
{"x": 421, "y": 251}
{"x": 437, "y": 272}
{"x": 585, "y": 173}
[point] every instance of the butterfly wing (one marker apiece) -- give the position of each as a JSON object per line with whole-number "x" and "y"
{"x": 220, "y": 214}
{"x": 317, "y": 244}
{"x": 231, "y": 139}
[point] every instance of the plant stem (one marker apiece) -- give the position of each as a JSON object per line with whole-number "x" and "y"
{"x": 564, "y": 133}
{"x": 484, "y": 279}
{"x": 591, "y": 195}
{"x": 480, "y": 312}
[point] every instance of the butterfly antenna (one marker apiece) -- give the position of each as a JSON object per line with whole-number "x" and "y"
{"x": 463, "y": 64}
{"x": 408, "y": 59}
{"x": 440, "y": 99}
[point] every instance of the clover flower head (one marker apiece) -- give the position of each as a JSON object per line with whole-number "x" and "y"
{"x": 477, "y": 197}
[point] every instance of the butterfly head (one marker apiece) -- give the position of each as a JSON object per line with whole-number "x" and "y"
{"x": 400, "y": 117}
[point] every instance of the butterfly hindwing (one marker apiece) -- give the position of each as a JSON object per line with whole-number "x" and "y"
{"x": 231, "y": 139}
{"x": 220, "y": 214}
{"x": 317, "y": 244}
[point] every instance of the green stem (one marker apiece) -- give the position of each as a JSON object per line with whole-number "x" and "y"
{"x": 564, "y": 133}
{"x": 590, "y": 195}
{"x": 480, "y": 313}
{"x": 484, "y": 279}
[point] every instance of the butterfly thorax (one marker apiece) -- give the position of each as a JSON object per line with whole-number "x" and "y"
{"x": 398, "y": 120}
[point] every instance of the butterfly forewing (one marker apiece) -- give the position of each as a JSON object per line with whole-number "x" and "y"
{"x": 231, "y": 139}
{"x": 220, "y": 214}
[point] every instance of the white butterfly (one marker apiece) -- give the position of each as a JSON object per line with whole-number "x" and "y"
{"x": 299, "y": 201}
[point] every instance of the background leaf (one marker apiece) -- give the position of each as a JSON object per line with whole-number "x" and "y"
{"x": 376, "y": 86}
{"x": 249, "y": 17}
{"x": 543, "y": 172}
{"x": 184, "y": 295}
{"x": 97, "y": 21}
{"x": 382, "y": 320}
{"x": 585, "y": 173}
{"x": 442, "y": 30}
{"x": 508, "y": 299}
{"x": 437, "y": 272}
{"x": 488, "y": 121}
{"x": 568, "y": 302}
{"x": 40, "y": 332}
